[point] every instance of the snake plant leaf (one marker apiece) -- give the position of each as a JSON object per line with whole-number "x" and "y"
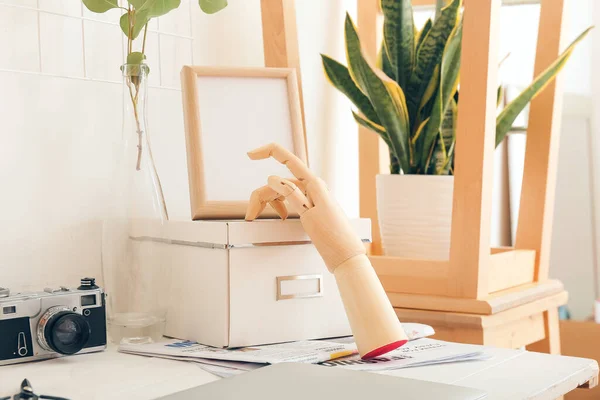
{"x": 385, "y": 94}
{"x": 423, "y": 34}
{"x": 444, "y": 149}
{"x": 499, "y": 96}
{"x": 100, "y": 6}
{"x": 378, "y": 129}
{"x": 449, "y": 78}
{"x": 212, "y": 6}
{"x": 394, "y": 163}
{"x": 419, "y": 130}
{"x": 439, "y": 4}
{"x": 508, "y": 115}
{"x": 430, "y": 53}
{"x": 399, "y": 37}
{"x": 140, "y": 20}
{"x": 432, "y": 88}
{"x": 384, "y": 64}
{"x": 340, "y": 78}
{"x": 451, "y": 66}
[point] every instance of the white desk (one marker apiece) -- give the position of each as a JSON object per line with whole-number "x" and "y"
{"x": 111, "y": 375}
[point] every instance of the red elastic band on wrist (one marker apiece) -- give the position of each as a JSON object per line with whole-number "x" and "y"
{"x": 384, "y": 349}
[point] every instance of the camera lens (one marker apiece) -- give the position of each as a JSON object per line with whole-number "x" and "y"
{"x": 63, "y": 331}
{"x": 67, "y": 331}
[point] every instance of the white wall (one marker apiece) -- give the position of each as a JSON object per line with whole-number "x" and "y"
{"x": 60, "y": 115}
{"x": 573, "y": 252}
{"x": 572, "y": 258}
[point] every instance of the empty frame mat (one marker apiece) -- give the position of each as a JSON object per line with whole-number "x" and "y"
{"x": 228, "y": 112}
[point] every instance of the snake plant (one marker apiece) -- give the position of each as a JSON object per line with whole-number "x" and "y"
{"x": 410, "y": 99}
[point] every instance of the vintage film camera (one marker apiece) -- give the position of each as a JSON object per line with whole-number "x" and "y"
{"x": 52, "y": 323}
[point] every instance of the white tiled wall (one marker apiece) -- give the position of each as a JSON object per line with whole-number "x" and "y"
{"x": 60, "y": 116}
{"x": 61, "y": 107}
{"x": 63, "y": 38}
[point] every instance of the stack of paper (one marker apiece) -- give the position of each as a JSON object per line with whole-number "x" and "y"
{"x": 341, "y": 353}
{"x": 307, "y": 351}
{"x": 416, "y": 353}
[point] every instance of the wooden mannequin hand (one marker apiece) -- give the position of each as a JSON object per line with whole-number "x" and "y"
{"x": 322, "y": 218}
{"x": 373, "y": 321}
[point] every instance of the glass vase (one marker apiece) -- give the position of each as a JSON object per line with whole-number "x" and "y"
{"x": 135, "y": 273}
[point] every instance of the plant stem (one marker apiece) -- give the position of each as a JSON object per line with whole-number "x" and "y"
{"x": 134, "y": 102}
{"x": 134, "y": 99}
{"x": 144, "y": 40}
{"x": 131, "y": 20}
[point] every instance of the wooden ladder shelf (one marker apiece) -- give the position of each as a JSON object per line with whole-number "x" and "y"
{"x": 478, "y": 281}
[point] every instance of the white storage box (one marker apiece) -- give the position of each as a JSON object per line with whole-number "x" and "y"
{"x": 237, "y": 283}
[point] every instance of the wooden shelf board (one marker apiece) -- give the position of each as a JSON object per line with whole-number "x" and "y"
{"x": 453, "y": 319}
{"x": 493, "y": 304}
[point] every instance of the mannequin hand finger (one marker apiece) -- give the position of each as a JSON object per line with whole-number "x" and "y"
{"x": 258, "y": 201}
{"x": 254, "y": 209}
{"x": 318, "y": 191}
{"x": 279, "y": 206}
{"x": 300, "y": 184}
{"x": 302, "y": 187}
{"x": 284, "y": 156}
{"x": 295, "y": 198}
{"x": 289, "y": 189}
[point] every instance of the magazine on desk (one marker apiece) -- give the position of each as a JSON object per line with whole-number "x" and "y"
{"x": 338, "y": 353}
{"x": 305, "y": 351}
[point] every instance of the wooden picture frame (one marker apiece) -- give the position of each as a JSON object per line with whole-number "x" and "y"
{"x": 227, "y": 112}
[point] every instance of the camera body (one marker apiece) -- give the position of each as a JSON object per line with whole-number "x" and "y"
{"x": 52, "y": 323}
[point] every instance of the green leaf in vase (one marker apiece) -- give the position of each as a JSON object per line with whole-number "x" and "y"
{"x": 141, "y": 18}
{"x": 135, "y": 58}
{"x": 212, "y": 6}
{"x": 139, "y": 4}
{"x": 157, "y": 8}
{"x": 100, "y": 6}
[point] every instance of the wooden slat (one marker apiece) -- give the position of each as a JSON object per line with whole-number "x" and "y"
{"x": 472, "y": 203}
{"x": 483, "y": 321}
{"x": 431, "y": 3}
{"x": 517, "y": 296}
{"x": 398, "y": 275}
{"x": 280, "y": 41}
{"x": 495, "y": 303}
{"x": 430, "y": 277}
{"x": 369, "y": 156}
{"x": 534, "y": 229}
{"x": 510, "y": 268}
{"x": 496, "y": 250}
{"x": 551, "y": 342}
{"x": 517, "y": 333}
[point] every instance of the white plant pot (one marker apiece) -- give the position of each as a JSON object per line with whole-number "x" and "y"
{"x": 415, "y": 215}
